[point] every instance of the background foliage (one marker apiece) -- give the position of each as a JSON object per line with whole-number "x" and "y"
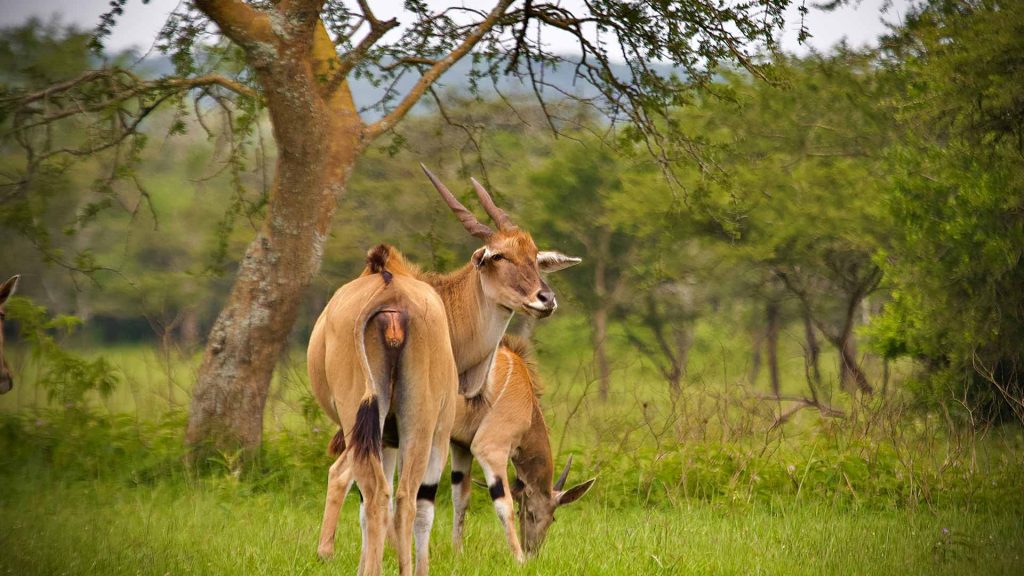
{"x": 811, "y": 337}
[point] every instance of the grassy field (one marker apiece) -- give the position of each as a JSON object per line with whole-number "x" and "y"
{"x": 697, "y": 484}
{"x": 222, "y": 528}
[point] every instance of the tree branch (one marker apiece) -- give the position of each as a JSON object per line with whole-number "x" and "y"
{"x": 307, "y": 10}
{"x": 407, "y": 61}
{"x": 207, "y": 80}
{"x": 349, "y": 61}
{"x": 242, "y": 23}
{"x": 435, "y": 72}
{"x": 136, "y": 87}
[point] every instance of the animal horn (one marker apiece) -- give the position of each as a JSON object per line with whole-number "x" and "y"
{"x": 496, "y": 214}
{"x": 560, "y": 483}
{"x": 469, "y": 222}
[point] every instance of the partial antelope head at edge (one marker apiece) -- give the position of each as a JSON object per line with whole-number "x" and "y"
{"x": 7, "y": 290}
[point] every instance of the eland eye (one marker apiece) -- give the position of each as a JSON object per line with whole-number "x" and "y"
{"x": 497, "y": 257}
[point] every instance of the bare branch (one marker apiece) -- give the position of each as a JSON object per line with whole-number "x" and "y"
{"x": 409, "y": 60}
{"x": 349, "y": 61}
{"x": 465, "y": 128}
{"x": 55, "y": 88}
{"x": 206, "y": 80}
{"x": 435, "y": 72}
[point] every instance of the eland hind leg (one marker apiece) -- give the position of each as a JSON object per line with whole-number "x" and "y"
{"x": 462, "y": 467}
{"x": 339, "y": 480}
{"x": 425, "y": 501}
{"x": 369, "y": 476}
{"x": 415, "y": 452}
{"x": 390, "y": 464}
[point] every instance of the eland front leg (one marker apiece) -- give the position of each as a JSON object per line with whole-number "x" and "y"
{"x": 494, "y": 461}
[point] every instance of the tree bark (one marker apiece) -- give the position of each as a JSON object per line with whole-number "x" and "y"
{"x": 319, "y": 137}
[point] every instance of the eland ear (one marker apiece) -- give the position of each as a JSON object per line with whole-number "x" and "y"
{"x": 575, "y": 493}
{"x": 553, "y": 261}
{"x": 8, "y": 288}
{"x": 479, "y": 256}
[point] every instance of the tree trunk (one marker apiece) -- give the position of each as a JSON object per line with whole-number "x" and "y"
{"x": 683, "y": 341}
{"x": 813, "y": 351}
{"x": 599, "y": 321}
{"x": 756, "y": 343}
{"x": 599, "y": 331}
{"x": 850, "y": 372}
{"x": 188, "y": 333}
{"x": 774, "y": 324}
{"x": 682, "y": 333}
{"x": 318, "y": 137}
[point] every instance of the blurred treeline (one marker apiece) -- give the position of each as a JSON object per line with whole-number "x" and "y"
{"x": 864, "y": 206}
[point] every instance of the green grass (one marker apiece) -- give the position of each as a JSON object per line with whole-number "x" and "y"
{"x": 219, "y": 527}
{"x": 153, "y": 383}
{"x": 699, "y": 485}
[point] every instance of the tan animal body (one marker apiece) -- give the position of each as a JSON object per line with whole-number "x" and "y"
{"x": 505, "y": 421}
{"x": 478, "y": 301}
{"x": 380, "y": 350}
{"x": 7, "y": 290}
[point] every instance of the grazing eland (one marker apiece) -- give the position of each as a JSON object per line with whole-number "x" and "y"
{"x": 505, "y": 421}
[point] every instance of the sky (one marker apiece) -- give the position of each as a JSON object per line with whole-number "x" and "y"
{"x": 860, "y": 23}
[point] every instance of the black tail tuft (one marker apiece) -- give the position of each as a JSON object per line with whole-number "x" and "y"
{"x": 337, "y": 445}
{"x": 366, "y": 439}
{"x": 377, "y": 260}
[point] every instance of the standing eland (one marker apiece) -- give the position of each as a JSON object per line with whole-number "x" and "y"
{"x": 379, "y": 352}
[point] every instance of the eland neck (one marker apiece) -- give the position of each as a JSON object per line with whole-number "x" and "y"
{"x": 475, "y": 322}
{"x": 532, "y": 458}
